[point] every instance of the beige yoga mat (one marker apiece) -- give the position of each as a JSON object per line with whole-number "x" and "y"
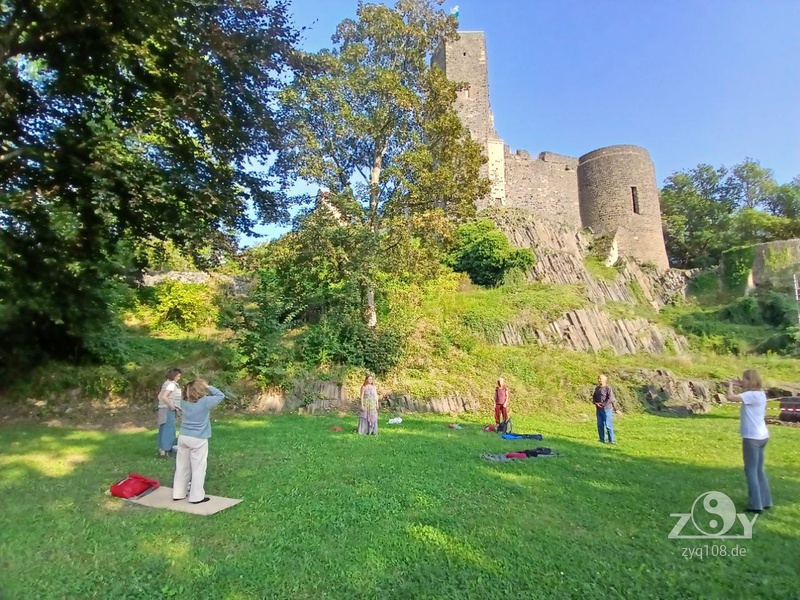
{"x": 162, "y": 498}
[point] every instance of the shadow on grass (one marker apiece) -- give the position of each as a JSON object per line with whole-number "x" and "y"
{"x": 412, "y": 513}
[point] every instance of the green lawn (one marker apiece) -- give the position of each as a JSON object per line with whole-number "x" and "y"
{"x": 414, "y": 513}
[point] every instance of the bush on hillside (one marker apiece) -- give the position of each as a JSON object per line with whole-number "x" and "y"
{"x": 344, "y": 339}
{"x": 184, "y": 306}
{"x": 484, "y": 253}
{"x": 704, "y": 283}
{"x": 765, "y": 307}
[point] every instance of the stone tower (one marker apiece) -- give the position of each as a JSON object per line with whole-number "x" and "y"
{"x": 618, "y": 193}
{"x": 464, "y": 61}
{"x": 612, "y": 189}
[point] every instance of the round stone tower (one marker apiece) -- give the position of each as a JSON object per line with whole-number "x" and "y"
{"x": 617, "y": 191}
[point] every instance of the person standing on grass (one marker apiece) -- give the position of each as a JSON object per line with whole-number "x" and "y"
{"x": 368, "y": 417}
{"x": 755, "y": 436}
{"x": 192, "y": 461}
{"x": 169, "y": 403}
{"x": 605, "y": 405}
{"x": 501, "y": 401}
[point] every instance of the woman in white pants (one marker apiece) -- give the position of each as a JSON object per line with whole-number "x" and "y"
{"x": 192, "y": 460}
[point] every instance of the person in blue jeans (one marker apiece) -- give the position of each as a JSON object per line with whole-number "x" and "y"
{"x": 603, "y": 399}
{"x": 169, "y": 404}
{"x": 755, "y": 436}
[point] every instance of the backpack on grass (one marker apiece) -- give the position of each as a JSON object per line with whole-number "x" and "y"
{"x": 504, "y": 427}
{"x": 133, "y": 485}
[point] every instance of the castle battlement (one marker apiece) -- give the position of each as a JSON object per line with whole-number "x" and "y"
{"x": 610, "y": 190}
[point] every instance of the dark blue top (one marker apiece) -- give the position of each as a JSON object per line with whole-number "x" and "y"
{"x": 603, "y": 397}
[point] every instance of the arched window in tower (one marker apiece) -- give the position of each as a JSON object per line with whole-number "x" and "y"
{"x": 635, "y": 198}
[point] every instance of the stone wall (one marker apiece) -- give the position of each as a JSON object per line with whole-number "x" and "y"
{"x": 316, "y": 396}
{"x": 495, "y": 170}
{"x": 591, "y": 330}
{"x": 774, "y": 264}
{"x": 237, "y": 285}
{"x": 618, "y": 193}
{"x": 547, "y": 185}
{"x": 307, "y": 396}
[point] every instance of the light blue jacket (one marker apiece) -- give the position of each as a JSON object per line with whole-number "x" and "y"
{"x": 197, "y": 415}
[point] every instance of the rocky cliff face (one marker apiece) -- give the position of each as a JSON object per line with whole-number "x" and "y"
{"x": 561, "y": 253}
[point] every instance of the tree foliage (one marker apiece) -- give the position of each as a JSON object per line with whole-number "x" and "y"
{"x": 485, "y": 254}
{"x": 708, "y": 210}
{"x": 121, "y": 121}
{"x": 376, "y": 127}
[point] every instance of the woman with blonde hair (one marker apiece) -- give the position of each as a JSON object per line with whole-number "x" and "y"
{"x": 501, "y": 401}
{"x": 755, "y": 436}
{"x": 190, "y": 466}
{"x": 368, "y": 417}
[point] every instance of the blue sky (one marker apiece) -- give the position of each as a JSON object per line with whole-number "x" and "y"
{"x": 693, "y": 81}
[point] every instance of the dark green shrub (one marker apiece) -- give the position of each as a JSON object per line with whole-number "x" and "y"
{"x": 778, "y": 310}
{"x": 484, "y": 253}
{"x": 376, "y": 349}
{"x": 704, "y": 283}
{"x": 745, "y": 311}
{"x": 344, "y": 339}
{"x": 764, "y": 307}
{"x": 320, "y": 344}
{"x": 711, "y": 334}
{"x": 780, "y": 343}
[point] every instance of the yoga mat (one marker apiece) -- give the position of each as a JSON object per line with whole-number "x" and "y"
{"x": 162, "y": 498}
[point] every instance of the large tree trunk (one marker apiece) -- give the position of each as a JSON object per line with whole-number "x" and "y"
{"x": 370, "y": 313}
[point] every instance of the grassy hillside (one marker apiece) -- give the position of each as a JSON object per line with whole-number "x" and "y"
{"x": 452, "y": 330}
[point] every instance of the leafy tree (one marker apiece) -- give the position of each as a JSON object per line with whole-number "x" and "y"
{"x": 751, "y": 185}
{"x": 785, "y": 201}
{"x": 707, "y": 210}
{"x": 317, "y": 265}
{"x": 697, "y": 214}
{"x": 260, "y": 331}
{"x": 376, "y": 127}
{"x": 484, "y": 252}
{"x": 122, "y": 121}
{"x": 753, "y": 226}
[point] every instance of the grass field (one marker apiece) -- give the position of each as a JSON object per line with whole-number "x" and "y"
{"x": 413, "y": 513}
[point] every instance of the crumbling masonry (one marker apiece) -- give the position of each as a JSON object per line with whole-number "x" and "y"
{"x": 612, "y": 190}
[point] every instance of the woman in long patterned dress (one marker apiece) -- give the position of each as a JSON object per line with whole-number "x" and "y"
{"x": 368, "y": 417}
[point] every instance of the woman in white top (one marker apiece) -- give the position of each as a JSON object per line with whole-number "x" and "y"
{"x": 169, "y": 402}
{"x": 754, "y": 437}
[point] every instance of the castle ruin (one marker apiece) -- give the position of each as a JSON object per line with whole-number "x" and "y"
{"x": 612, "y": 190}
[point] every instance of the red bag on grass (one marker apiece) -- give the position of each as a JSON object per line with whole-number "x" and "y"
{"x": 133, "y": 485}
